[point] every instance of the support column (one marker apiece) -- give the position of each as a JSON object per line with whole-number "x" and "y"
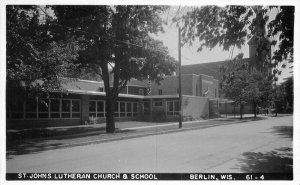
{"x": 151, "y": 109}
{"x": 84, "y": 108}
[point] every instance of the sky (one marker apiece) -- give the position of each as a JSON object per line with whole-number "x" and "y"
{"x": 190, "y": 55}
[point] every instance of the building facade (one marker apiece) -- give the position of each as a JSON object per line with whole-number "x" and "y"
{"x": 84, "y": 103}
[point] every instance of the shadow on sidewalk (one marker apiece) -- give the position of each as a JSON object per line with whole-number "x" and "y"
{"x": 284, "y": 131}
{"x": 37, "y": 140}
{"x": 277, "y": 161}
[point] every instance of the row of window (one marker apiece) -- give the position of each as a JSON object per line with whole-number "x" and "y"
{"x": 172, "y": 107}
{"x": 45, "y": 109}
{"x": 71, "y": 108}
{"x": 97, "y": 109}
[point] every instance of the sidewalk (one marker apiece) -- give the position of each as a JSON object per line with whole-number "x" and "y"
{"x": 36, "y": 140}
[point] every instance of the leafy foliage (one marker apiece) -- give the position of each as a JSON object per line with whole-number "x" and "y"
{"x": 245, "y": 85}
{"x": 283, "y": 24}
{"x": 35, "y": 63}
{"x": 111, "y": 38}
{"x": 232, "y": 26}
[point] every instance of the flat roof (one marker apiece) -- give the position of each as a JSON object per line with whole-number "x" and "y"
{"x": 103, "y": 94}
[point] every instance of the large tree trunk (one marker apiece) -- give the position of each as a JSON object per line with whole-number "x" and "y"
{"x": 254, "y": 109}
{"x": 110, "y": 118}
{"x": 241, "y": 111}
{"x": 110, "y": 100}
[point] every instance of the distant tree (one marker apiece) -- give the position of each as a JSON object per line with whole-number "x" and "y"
{"x": 112, "y": 37}
{"x": 259, "y": 89}
{"x": 235, "y": 82}
{"x": 245, "y": 85}
{"x": 34, "y": 62}
{"x": 283, "y": 96}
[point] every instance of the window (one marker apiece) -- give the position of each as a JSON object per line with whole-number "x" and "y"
{"x": 173, "y": 108}
{"x": 96, "y": 109}
{"x": 100, "y": 109}
{"x": 54, "y": 108}
{"x": 141, "y": 91}
{"x": 101, "y": 89}
{"x": 31, "y": 109}
{"x": 160, "y": 91}
{"x": 66, "y": 109}
{"x": 43, "y": 108}
{"x": 135, "y": 109}
{"x": 215, "y": 93}
{"x": 157, "y": 104}
{"x": 75, "y": 108}
{"x": 129, "y": 109}
{"x": 146, "y": 107}
{"x": 17, "y": 109}
{"x": 122, "y": 109}
{"x": 92, "y": 108}
{"x": 117, "y": 109}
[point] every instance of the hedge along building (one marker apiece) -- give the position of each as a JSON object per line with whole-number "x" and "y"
{"x": 84, "y": 102}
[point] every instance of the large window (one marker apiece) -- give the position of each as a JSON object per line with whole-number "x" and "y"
{"x": 96, "y": 109}
{"x": 141, "y": 91}
{"x": 129, "y": 109}
{"x": 172, "y": 108}
{"x": 54, "y": 108}
{"x": 75, "y": 108}
{"x": 157, "y": 104}
{"x": 122, "y": 109}
{"x": 17, "y": 110}
{"x": 46, "y": 109}
{"x": 43, "y": 108}
{"x": 146, "y": 107}
{"x": 160, "y": 91}
{"x": 135, "y": 109}
{"x": 31, "y": 109}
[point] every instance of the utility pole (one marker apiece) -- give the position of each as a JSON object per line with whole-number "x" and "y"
{"x": 179, "y": 78}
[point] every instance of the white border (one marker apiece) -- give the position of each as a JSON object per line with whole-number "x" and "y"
{"x": 296, "y": 143}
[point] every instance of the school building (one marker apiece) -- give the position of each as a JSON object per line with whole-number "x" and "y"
{"x": 84, "y": 102}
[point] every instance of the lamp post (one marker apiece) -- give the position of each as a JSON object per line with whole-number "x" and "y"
{"x": 179, "y": 79}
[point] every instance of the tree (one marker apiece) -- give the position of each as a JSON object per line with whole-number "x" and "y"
{"x": 259, "y": 89}
{"x": 35, "y": 63}
{"x": 283, "y": 96}
{"x": 283, "y": 24}
{"x": 116, "y": 42}
{"x": 232, "y": 26}
{"x": 245, "y": 85}
{"x": 235, "y": 81}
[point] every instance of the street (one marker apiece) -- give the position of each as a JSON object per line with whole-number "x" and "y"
{"x": 256, "y": 146}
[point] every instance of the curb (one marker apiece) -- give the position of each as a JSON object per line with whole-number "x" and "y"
{"x": 151, "y": 133}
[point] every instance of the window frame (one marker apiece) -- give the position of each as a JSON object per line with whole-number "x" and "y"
{"x": 96, "y": 112}
{"x": 160, "y": 92}
{"x": 141, "y": 91}
{"x": 174, "y": 112}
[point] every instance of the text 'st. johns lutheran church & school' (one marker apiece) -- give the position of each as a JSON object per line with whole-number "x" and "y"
{"x": 84, "y": 102}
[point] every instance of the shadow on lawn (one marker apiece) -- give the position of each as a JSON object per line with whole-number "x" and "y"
{"x": 284, "y": 131}
{"x": 277, "y": 161}
{"x": 37, "y": 140}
